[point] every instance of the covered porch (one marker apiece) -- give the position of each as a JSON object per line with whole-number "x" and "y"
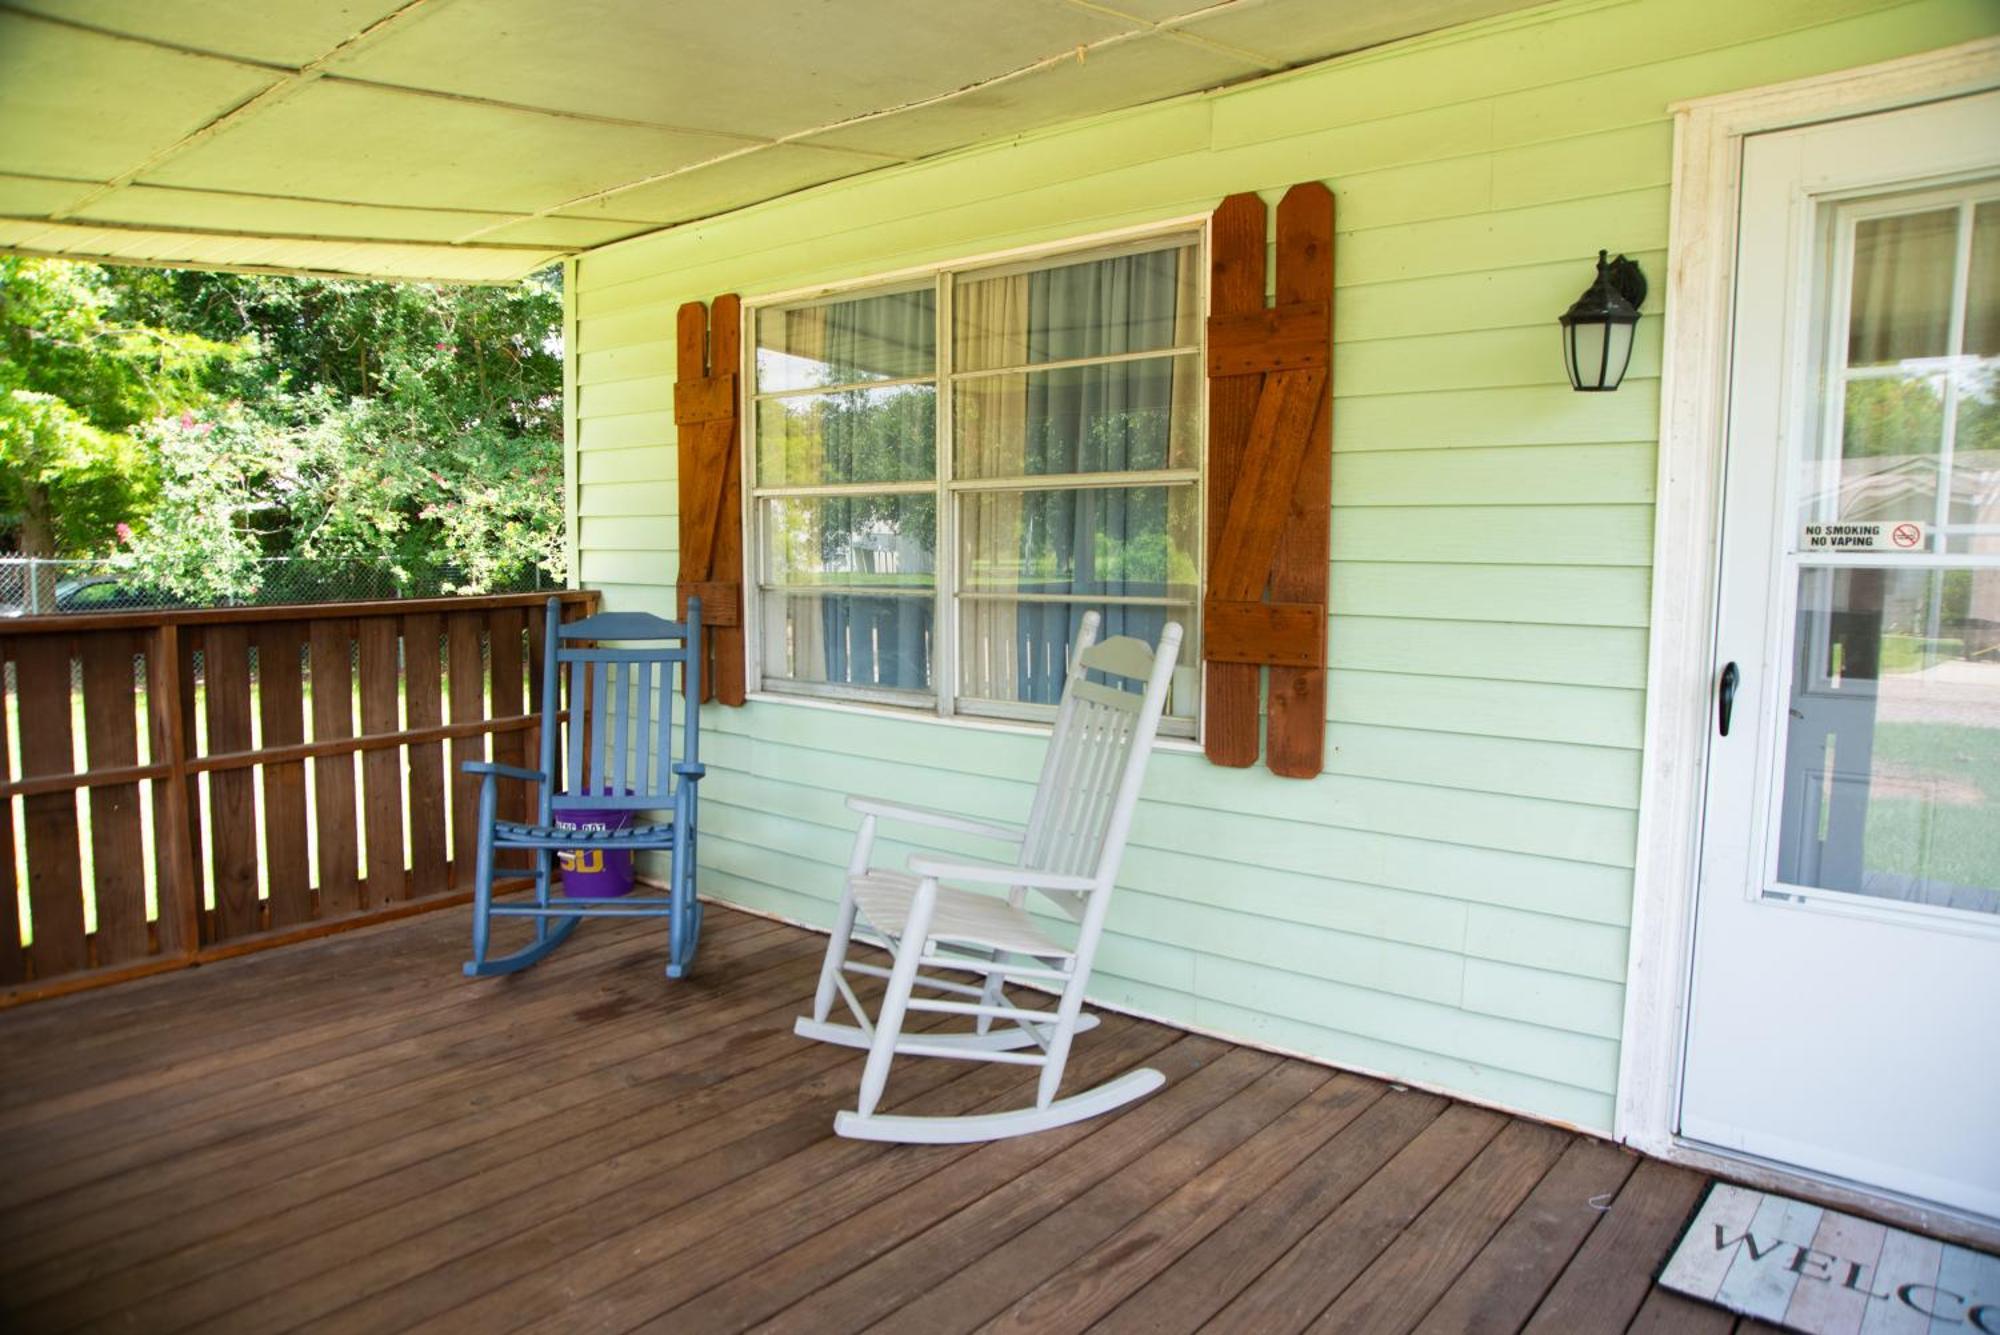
{"x": 346, "y": 1135}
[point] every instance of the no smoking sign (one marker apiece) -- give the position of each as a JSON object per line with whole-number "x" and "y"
{"x": 1889, "y": 536}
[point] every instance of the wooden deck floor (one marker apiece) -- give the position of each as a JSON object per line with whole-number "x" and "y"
{"x": 350, "y": 1136}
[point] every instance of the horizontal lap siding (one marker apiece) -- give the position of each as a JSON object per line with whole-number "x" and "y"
{"x": 1448, "y": 902}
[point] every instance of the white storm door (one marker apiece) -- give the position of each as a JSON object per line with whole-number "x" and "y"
{"x": 1844, "y": 1017}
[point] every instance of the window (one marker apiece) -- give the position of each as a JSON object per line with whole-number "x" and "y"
{"x": 947, "y": 474}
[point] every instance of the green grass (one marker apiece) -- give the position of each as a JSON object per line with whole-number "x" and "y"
{"x": 1914, "y": 653}
{"x": 1952, "y": 842}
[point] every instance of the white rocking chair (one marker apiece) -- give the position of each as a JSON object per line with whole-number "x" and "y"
{"x": 1069, "y": 853}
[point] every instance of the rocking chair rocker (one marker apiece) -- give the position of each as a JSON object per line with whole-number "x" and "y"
{"x": 1069, "y": 852}
{"x": 618, "y": 761}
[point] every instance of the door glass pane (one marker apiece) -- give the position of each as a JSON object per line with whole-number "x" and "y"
{"x": 1892, "y": 429}
{"x": 1982, "y": 324}
{"x": 1902, "y": 279}
{"x": 1892, "y": 749}
{"x": 1975, "y": 464}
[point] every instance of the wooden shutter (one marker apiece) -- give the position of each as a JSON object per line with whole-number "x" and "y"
{"x": 708, "y": 352}
{"x": 1270, "y": 451}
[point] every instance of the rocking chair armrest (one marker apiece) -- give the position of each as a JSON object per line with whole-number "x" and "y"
{"x": 687, "y": 771}
{"x": 942, "y": 820}
{"x": 993, "y": 873}
{"x": 492, "y": 770}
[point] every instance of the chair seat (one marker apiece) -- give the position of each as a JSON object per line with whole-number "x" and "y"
{"x": 518, "y": 834}
{"x": 964, "y": 916}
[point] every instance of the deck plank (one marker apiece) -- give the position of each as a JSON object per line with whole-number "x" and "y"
{"x": 1097, "y": 1281}
{"x": 1502, "y": 1286}
{"x": 1610, "y": 1277}
{"x": 1395, "y": 1293}
{"x": 1194, "y": 1288}
{"x": 350, "y": 1136}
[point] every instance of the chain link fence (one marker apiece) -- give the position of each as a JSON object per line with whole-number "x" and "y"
{"x": 33, "y": 586}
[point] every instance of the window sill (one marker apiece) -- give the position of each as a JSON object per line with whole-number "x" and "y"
{"x": 1181, "y": 745}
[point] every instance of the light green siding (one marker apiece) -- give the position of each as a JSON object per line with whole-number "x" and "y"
{"x": 1448, "y": 902}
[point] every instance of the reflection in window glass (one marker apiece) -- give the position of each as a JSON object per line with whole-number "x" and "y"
{"x": 1901, "y": 302}
{"x": 855, "y": 541}
{"x": 890, "y": 336}
{"x": 1982, "y": 316}
{"x": 1098, "y": 308}
{"x": 1127, "y": 542}
{"x": 849, "y": 435}
{"x": 1113, "y": 417}
{"x": 1892, "y": 755}
{"x": 863, "y": 640}
{"x": 1018, "y": 653}
{"x": 1891, "y": 432}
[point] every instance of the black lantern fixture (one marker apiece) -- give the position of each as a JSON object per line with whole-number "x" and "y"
{"x": 1597, "y": 331}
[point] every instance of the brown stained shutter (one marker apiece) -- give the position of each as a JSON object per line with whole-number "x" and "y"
{"x": 708, "y": 351}
{"x": 1270, "y": 452}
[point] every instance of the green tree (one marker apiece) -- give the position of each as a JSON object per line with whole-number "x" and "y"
{"x": 76, "y": 376}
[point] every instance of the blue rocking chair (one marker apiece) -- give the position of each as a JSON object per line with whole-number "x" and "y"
{"x": 618, "y": 761}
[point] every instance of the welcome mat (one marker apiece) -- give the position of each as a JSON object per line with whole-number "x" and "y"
{"x": 1816, "y": 1270}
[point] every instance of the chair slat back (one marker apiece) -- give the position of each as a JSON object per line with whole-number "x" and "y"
{"x": 615, "y": 674}
{"x": 1097, "y": 757}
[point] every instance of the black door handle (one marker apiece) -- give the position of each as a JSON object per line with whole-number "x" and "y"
{"x": 1725, "y": 703}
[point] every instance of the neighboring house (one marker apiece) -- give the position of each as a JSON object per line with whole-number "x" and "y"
{"x": 1492, "y": 888}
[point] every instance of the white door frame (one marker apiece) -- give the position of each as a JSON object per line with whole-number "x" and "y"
{"x": 1701, "y": 254}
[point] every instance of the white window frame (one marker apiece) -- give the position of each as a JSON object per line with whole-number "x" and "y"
{"x": 945, "y": 703}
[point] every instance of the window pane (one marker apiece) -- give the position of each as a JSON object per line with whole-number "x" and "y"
{"x": 1019, "y": 652}
{"x": 1892, "y": 430}
{"x": 852, "y": 640}
{"x": 1097, "y": 308}
{"x": 853, "y": 435}
{"x": 1982, "y": 314}
{"x": 1975, "y": 464}
{"x": 1110, "y": 418}
{"x": 1127, "y": 542}
{"x": 856, "y": 542}
{"x": 889, "y": 336}
{"x": 1901, "y": 303}
{"x": 1892, "y": 765}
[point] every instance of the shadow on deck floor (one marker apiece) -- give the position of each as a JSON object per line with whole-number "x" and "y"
{"x": 349, "y": 1135}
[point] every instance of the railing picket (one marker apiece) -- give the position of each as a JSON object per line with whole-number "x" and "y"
{"x": 111, "y": 740}
{"x": 13, "y": 963}
{"x": 232, "y": 796}
{"x": 509, "y": 748}
{"x": 185, "y": 680}
{"x": 55, "y": 866}
{"x": 468, "y": 703}
{"x": 333, "y": 776}
{"x": 382, "y": 771}
{"x": 178, "y": 888}
{"x": 281, "y": 712}
{"x": 423, "y": 702}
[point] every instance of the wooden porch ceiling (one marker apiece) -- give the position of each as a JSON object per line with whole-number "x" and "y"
{"x": 478, "y": 140}
{"x": 350, "y": 1136}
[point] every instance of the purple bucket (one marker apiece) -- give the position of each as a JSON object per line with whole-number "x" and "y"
{"x": 595, "y": 871}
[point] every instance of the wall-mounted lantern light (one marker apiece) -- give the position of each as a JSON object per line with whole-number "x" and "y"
{"x": 1597, "y": 330}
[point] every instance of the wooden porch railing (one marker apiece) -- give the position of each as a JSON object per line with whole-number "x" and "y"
{"x": 196, "y": 784}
